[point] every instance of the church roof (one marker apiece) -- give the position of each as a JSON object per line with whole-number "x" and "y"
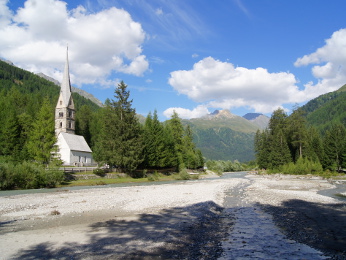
{"x": 76, "y": 142}
{"x": 66, "y": 84}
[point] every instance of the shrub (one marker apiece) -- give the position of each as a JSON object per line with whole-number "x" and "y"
{"x": 6, "y": 176}
{"x": 54, "y": 176}
{"x": 28, "y": 175}
{"x": 184, "y": 175}
{"x": 303, "y": 166}
{"x": 99, "y": 172}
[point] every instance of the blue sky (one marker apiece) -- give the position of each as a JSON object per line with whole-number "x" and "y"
{"x": 192, "y": 56}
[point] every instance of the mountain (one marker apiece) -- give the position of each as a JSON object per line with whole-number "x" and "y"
{"x": 222, "y": 135}
{"x": 224, "y": 118}
{"x": 257, "y": 119}
{"x": 34, "y": 88}
{"x": 326, "y": 109}
{"x": 81, "y": 92}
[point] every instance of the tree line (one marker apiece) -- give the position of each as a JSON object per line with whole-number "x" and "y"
{"x": 289, "y": 145}
{"x": 27, "y": 134}
{"x": 121, "y": 141}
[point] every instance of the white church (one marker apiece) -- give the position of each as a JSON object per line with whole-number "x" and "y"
{"x": 72, "y": 148}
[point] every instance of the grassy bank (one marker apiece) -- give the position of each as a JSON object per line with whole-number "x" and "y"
{"x": 155, "y": 177}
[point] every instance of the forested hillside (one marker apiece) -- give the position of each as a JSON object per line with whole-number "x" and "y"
{"x": 22, "y": 95}
{"x": 326, "y": 110}
{"x": 222, "y": 135}
{"x": 27, "y": 134}
{"x": 224, "y": 144}
{"x": 291, "y": 145}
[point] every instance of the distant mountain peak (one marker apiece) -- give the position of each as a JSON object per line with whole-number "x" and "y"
{"x": 252, "y": 116}
{"x": 219, "y": 114}
{"x": 258, "y": 119}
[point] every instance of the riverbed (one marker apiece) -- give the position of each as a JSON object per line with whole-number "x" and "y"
{"x": 182, "y": 220}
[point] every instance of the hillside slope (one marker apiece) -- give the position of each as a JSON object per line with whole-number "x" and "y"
{"x": 326, "y": 109}
{"x": 29, "y": 83}
{"x": 222, "y": 135}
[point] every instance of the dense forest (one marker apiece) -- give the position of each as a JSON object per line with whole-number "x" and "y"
{"x": 291, "y": 145}
{"x": 326, "y": 110}
{"x": 27, "y": 139}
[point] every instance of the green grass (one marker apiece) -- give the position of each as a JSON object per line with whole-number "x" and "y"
{"x": 119, "y": 180}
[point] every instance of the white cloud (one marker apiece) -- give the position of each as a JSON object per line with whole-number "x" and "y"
{"x": 184, "y": 113}
{"x": 331, "y": 74}
{"x": 224, "y": 86}
{"x": 5, "y": 13}
{"x": 35, "y": 38}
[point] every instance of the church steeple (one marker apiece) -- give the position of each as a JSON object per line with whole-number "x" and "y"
{"x": 64, "y": 111}
{"x": 66, "y": 84}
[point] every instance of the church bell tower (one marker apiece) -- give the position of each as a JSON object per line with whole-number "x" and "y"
{"x": 64, "y": 111}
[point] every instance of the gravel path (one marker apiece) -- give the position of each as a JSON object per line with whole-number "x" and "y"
{"x": 191, "y": 220}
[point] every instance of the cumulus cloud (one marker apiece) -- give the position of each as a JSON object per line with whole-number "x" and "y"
{"x": 184, "y": 113}
{"x": 35, "y": 37}
{"x": 331, "y": 71}
{"x": 222, "y": 85}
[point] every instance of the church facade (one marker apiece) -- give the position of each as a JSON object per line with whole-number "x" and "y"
{"x": 72, "y": 148}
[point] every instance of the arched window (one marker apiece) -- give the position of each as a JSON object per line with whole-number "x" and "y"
{"x": 60, "y": 124}
{"x": 61, "y": 114}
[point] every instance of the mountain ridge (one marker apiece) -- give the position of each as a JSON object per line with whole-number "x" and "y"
{"x": 73, "y": 89}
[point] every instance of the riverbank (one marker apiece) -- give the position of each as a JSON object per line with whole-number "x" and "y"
{"x": 170, "y": 221}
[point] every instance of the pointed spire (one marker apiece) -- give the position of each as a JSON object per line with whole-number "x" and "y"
{"x": 66, "y": 84}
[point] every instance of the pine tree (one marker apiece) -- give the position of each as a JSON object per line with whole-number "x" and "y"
{"x": 334, "y": 147}
{"x": 154, "y": 142}
{"x": 316, "y": 150}
{"x": 120, "y": 142}
{"x": 262, "y": 149}
{"x": 280, "y": 153}
{"x": 83, "y": 123}
{"x": 42, "y": 138}
{"x": 176, "y": 130}
{"x": 297, "y": 133}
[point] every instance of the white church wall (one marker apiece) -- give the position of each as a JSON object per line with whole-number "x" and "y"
{"x": 81, "y": 158}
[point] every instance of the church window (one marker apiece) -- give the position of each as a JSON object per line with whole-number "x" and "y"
{"x": 60, "y": 124}
{"x": 60, "y": 102}
{"x": 61, "y": 114}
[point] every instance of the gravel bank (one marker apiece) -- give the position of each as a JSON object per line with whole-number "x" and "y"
{"x": 302, "y": 214}
{"x": 170, "y": 221}
{"x": 125, "y": 222}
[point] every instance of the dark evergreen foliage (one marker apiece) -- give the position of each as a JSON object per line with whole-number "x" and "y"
{"x": 120, "y": 139}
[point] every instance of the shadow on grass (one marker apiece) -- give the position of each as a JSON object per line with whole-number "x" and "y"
{"x": 321, "y": 226}
{"x": 193, "y": 232}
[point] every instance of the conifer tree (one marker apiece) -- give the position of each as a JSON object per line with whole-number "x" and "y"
{"x": 177, "y": 131}
{"x": 9, "y": 134}
{"x": 83, "y": 123}
{"x": 334, "y": 147}
{"x": 262, "y": 149}
{"x": 119, "y": 142}
{"x": 280, "y": 153}
{"x": 42, "y": 138}
{"x": 297, "y": 133}
{"x": 154, "y": 142}
{"x": 316, "y": 149}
